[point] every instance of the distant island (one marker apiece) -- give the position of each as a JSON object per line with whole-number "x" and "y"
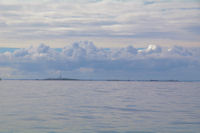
{"x": 58, "y": 79}
{"x": 108, "y": 80}
{"x": 71, "y": 79}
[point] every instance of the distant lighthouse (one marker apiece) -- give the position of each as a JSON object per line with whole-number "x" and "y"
{"x": 60, "y": 76}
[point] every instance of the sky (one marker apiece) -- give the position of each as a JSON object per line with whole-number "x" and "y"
{"x": 100, "y": 39}
{"x": 108, "y": 23}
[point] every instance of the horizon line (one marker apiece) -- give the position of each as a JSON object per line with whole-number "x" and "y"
{"x": 127, "y": 80}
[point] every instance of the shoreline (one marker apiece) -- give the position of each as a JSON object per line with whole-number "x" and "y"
{"x": 109, "y": 80}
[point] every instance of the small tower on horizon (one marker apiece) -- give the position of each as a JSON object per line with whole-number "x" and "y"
{"x": 60, "y": 75}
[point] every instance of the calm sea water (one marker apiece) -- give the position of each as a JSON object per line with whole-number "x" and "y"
{"x": 99, "y": 107}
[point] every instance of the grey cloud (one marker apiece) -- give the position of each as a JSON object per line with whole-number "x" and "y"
{"x": 194, "y": 29}
{"x": 180, "y": 51}
{"x": 6, "y": 7}
{"x": 2, "y": 24}
{"x": 161, "y": 62}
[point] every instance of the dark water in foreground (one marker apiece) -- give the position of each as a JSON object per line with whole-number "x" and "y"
{"x": 99, "y": 107}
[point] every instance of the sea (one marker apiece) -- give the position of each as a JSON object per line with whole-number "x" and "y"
{"x": 36, "y": 106}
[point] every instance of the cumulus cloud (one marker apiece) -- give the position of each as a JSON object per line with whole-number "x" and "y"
{"x": 151, "y": 49}
{"x": 85, "y": 60}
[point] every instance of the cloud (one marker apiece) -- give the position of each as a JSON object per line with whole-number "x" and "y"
{"x": 85, "y": 60}
{"x": 50, "y": 19}
{"x": 151, "y": 49}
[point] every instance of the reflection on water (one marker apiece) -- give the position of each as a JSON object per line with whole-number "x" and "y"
{"x": 100, "y": 107}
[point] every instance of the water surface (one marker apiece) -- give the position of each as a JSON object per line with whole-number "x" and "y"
{"x": 99, "y": 107}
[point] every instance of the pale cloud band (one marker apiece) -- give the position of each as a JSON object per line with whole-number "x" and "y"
{"x": 35, "y": 20}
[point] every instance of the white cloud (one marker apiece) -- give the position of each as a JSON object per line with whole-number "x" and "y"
{"x": 151, "y": 49}
{"x": 83, "y": 58}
